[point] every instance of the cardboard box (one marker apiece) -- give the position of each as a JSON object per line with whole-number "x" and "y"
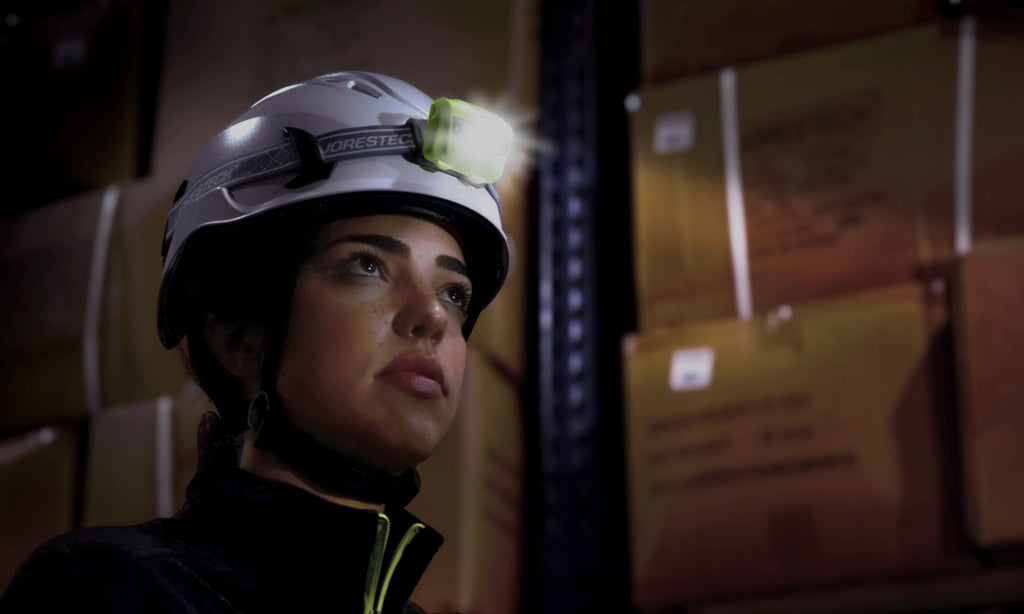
{"x": 137, "y": 367}
{"x": 806, "y": 448}
{"x": 49, "y": 372}
{"x": 845, "y": 172}
{"x": 989, "y": 335}
{"x": 998, "y": 131}
{"x": 680, "y": 38}
{"x": 128, "y": 471}
{"x": 46, "y": 257}
{"x": 141, "y": 457}
{"x": 38, "y": 477}
{"x": 472, "y": 492}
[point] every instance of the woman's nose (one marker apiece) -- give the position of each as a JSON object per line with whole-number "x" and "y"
{"x": 421, "y": 314}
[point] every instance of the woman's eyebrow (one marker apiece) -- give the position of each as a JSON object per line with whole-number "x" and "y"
{"x": 452, "y": 264}
{"x": 394, "y": 246}
{"x": 382, "y": 242}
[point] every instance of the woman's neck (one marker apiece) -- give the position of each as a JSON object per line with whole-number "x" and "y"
{"x": 268, "y": 465}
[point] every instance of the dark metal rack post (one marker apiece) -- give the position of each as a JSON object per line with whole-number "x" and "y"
{"x": 578, "y": 561}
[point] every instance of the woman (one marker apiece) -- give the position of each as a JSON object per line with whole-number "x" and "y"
{"x": 324, "y": 264}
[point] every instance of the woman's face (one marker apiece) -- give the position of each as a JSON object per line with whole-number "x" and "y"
{"x": 373, "y": 357}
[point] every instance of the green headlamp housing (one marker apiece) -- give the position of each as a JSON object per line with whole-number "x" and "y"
{"x": 466, "y": 139}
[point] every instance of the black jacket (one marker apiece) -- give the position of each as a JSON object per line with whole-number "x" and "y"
{"x": 240, "y": 544}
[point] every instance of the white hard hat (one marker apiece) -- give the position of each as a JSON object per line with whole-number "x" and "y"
{"x": 343, "y": 144}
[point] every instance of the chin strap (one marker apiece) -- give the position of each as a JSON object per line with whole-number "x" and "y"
{"x": 322, "y": 466}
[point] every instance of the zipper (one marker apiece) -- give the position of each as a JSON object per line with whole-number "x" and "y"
{"x": 406, "y": 539}
{"x": 376, "y": 565}
{"x": 376, "y": 562}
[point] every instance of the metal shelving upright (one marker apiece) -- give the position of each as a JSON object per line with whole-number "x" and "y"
{"x": 577, "y": 560}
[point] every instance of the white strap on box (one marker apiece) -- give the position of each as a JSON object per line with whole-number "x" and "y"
{"x": 734, "y": 193}
{"x": 13, "y": 449}
{"x": 962, "y": 177}
{"x": 94, "y": 300}
{"x": 164, "y": 457}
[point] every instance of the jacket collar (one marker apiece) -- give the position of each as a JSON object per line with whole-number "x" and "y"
{"x": 300, "y": 549}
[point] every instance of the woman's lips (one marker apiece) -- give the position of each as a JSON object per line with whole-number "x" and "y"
{"x": 417, "y": 375}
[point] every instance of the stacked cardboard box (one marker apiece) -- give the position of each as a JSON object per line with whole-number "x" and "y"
{"x": 683, "y": 37}
{"x": 140, "y": 458}
{"x": 38, "y": 491}
{"x": 92, "y": 253}
{"x": 46, "y": 256}
{"x": 79, "y": 290}
{"x": 845, "y": 162}
{"x": 989, "y": 335}
{"x": 998, "y": 130}
{"x": 798, "y": 222}
{"x": 844, "y": 170}
{"x": 146, "y": 370}
{"x": 802, "y": 449}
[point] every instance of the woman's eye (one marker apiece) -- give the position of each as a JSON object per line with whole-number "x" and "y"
{"x": 363, "y": 265}
{"x": 457, "y": 294}
{"x": 368, "y": 266}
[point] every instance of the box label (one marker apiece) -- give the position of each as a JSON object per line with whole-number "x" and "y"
{"x": 691, "y": 369}
{"x": 674, "y": 132}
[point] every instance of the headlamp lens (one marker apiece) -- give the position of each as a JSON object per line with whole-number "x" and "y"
{"x": 467, "y": 139}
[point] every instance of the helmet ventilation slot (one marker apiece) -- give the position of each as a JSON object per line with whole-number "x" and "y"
{"x": 363, "y": 88}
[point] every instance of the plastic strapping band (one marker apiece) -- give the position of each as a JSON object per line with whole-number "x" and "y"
{"x": 734, "y": 194}
{"x": 964, "y": 134}
{"x": 164, "y": 457}
{"x": 94, "y": 299}
{"x": 13, "y": 449}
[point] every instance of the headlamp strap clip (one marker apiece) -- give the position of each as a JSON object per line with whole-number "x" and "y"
{"x": 314, "y": 167}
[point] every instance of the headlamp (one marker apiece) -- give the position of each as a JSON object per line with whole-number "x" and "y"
{"x": 458, "y": 138}
{"x": 466, "y": 139}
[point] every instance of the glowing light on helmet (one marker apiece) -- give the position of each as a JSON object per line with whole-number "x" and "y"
{"x": 467, "y": 139}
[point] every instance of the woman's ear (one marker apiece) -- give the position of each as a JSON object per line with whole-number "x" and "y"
{"x": 238, "y": 347}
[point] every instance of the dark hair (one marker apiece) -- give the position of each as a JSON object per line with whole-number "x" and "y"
{"x": 245, "y": 279}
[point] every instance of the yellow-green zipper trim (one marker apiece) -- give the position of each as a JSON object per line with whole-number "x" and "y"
{"x": 406, "y": 539}
{"x": 376, "y": 562}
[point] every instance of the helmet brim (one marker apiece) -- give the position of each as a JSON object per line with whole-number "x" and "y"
{"x": 483, "y": 246}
